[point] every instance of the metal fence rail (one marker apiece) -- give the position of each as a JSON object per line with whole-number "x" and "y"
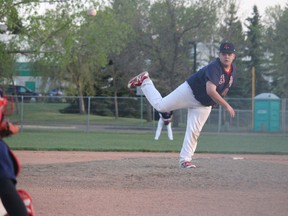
{"x": 131, "y": 113}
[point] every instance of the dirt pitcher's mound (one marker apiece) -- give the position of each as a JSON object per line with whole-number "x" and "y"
{"x": 152, "y": 184}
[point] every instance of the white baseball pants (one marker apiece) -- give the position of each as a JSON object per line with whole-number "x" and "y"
{"x": 182, "y": 97}
{"x": 160, "y": 127}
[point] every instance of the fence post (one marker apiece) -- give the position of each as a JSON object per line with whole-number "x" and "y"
{"x": 153, "y": 118}
{"x": 283, "y": 111}
{"x": 219, "y": 118}
{"x": 88, "y": 115}
{"x": 141, "y": 109}
{"x": 21, "y": 114}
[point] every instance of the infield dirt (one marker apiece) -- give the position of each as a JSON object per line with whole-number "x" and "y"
{"x": 152, "y": 184}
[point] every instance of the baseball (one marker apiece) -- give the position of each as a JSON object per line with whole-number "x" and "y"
{"x": 92, "y": 12}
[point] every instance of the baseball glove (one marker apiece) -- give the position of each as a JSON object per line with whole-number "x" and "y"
{"x": 166, "y": 122}
{"x": 7, "y": 129}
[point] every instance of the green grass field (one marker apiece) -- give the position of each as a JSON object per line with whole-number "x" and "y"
{"x": 144, "y": 142}
{"x": 34, "y": 113}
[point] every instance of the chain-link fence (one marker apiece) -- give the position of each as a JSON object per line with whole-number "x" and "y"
{"x": 130, "y": 113}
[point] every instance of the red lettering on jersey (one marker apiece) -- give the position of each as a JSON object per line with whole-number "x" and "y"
{"x": 222, "y": 79}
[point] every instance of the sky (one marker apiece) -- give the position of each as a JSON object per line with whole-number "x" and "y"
{"x": 246, "y": 6}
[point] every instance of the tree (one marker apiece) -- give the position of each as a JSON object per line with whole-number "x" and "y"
{"x": 164, "y": 31}
{"x": 10, "y": 23}
{"x": 129, "y": 58}
{"x": 9, "y": 15}
{"x": 64, "y": 43}
{"x": 78, "y": 45}
{"x": 170, "y": 27}
{"x": 7, "y": 62}
{"x": 255, "y": 51}
{"x": 231, "y": 30}
{"x": 277, "y": 44}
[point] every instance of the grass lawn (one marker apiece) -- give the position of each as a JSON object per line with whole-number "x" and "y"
{"x": 144, "y": 142}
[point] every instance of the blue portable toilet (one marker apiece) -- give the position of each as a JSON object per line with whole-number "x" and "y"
{"x": 267, "y": 113}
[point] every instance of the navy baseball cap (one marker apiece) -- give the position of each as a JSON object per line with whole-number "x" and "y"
{"x": 227, "y": 48}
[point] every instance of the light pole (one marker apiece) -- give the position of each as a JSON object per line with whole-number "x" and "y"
{"x": 194, "y": 55}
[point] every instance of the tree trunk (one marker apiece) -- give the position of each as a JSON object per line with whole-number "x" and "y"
{"x": 82, "y": 109}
